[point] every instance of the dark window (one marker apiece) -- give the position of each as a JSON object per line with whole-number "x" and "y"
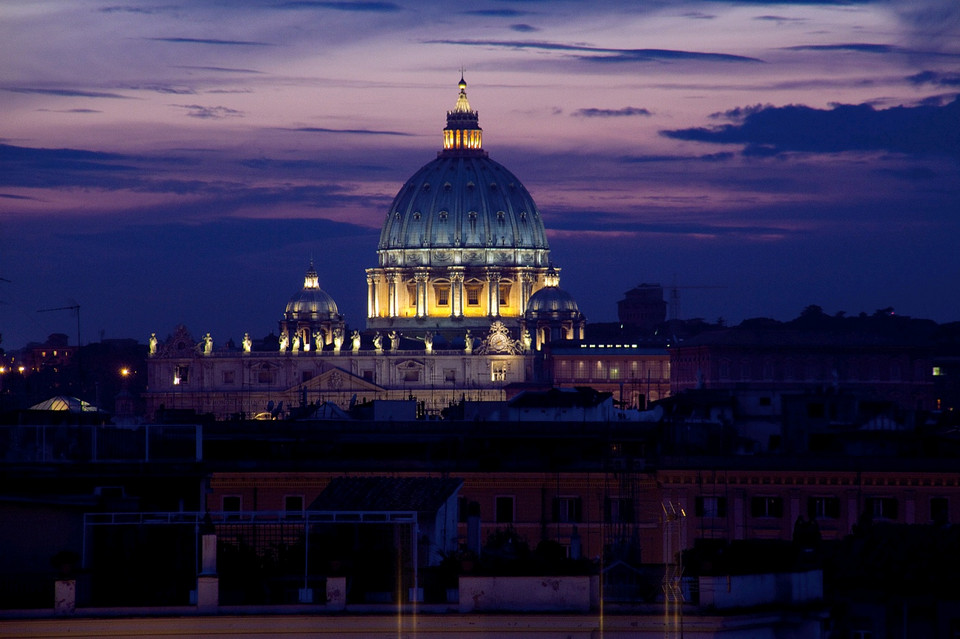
{"x": 466, "y": 509}
{"x": 711, "y": 507}
{"x": 293, "y": 503}
{"x": 567, "y": 509}
{"x": 306, "y": 376}
{"x": 939, "y": 511}
{"x": 228, "y": 377}
{"x": 618, "y": 510}
{"x": 765, "y": 401}
{"x": 368, "y": 376}
{"x": 815, "y": 410}
{"x": 882, "y": 507}
{"x": 766, "y": 507}
{"x": 231, "y": 503}
{"x": 504, "y": 510}
{"x": 823, "y": 508}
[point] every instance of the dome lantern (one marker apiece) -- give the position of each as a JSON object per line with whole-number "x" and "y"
{"x": 462, "y": 135}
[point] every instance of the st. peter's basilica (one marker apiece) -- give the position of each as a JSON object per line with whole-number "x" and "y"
{"x": 460, "y": 304}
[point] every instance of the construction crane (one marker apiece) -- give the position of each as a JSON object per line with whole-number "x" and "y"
{"x": 73, "y": 307}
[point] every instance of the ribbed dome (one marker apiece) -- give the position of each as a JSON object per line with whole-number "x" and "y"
{"x": 463, "y": 207}
{"x": 551, "y": 300}
{"x": 462, "y": 202}
{"x": 312, "y": 302}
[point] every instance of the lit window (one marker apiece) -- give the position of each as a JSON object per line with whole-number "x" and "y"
{"x": 498, "y": 373}
{"x": 504, "y": 295}
{"x": 181, "y": 375}
{"x": 442, "y": 291}
{"x": 937, "y": 372}
{"x": 473, "y": 295}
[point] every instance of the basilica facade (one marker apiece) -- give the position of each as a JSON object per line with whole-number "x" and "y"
{"x": 462, "y": 300}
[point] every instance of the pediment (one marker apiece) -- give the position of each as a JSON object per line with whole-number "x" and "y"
{"x": 337, "y": 379}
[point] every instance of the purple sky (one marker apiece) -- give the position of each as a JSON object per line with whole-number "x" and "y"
{"x": 181, "y": 162}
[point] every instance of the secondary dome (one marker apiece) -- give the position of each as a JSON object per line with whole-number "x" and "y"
{"x": 312, "y": 303}
{"x": 463, "y": 207}
{"x": 552, "y": 301}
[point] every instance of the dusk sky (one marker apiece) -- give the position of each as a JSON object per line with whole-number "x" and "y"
{"x": 183, "y": 161}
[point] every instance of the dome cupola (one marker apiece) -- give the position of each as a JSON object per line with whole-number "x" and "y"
{"x": 311, "y": 319}
{"x": 552, "y": 313}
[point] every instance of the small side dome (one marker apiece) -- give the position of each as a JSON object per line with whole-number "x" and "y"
{"x": 312, "y": 302}
{"x": 551, "y": 300}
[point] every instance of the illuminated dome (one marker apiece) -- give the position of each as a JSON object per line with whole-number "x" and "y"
{"x": 462, "y": 245}
{"x": 552, "y": 313}
{"x": 312, "y": 302}
{"x": 467, "y": 207}
{"x": 551, "y": 300}
{"x": 311, "y": 319}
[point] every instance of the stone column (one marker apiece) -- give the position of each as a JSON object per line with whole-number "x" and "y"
{"x": 208, "y": 584}
{"x": 392, "y": 301}
{"x": 526, "y": 286}
{"x": 420, "y": 277}
{"x": 372, "y": 309}
{"x": 456, "y": 292}
{"x": 64, "y": 596}
{"x": 493, "y": 293}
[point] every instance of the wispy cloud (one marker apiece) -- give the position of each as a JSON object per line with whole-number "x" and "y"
{"x": 66, "y": 93}
{"x": 70, "y": 110}
{"x": 497, "y": 13}
{"x": 936, "y": 78}
{"x": 136, "y": 9}
{"x": 864, "y": 47}
{"x": 920, "y": 129}
{"x": 523, "y": 28}
{"x": 316, "y": 129}
{"x": 375, "y": 7}
{"x": 161, "y": 88}
{"x": 213, "y": 41}
{"x": 217, "y": 69}
{"x": 611, "y": 113}
{"x": 208, "y": 112}
{"x": 602, "y": 54}
{"x": 707, "y": 157}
